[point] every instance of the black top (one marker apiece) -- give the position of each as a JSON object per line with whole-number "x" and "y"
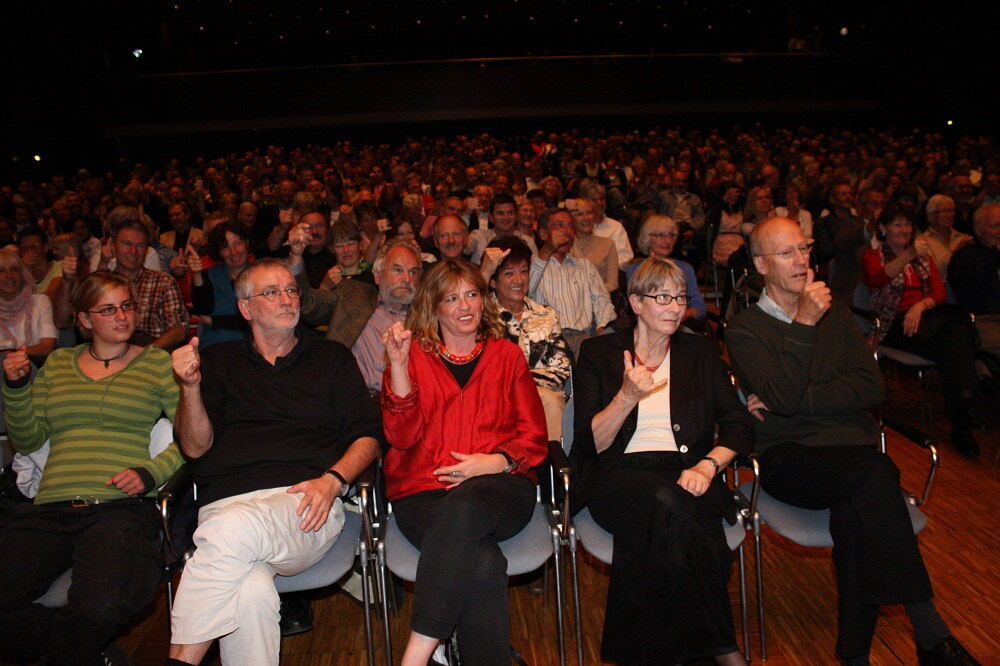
{"x": 974, "y": 277}
{"x": 278, "y": 425}
{"x": 704, "y": 407}
{"x": 461, "y": 371}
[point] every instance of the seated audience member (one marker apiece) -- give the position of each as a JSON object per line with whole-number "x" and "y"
{"x": 451, "y": 236}
{"x": 162, "y": 317}
{"x": 677, "y": 203}
{"x": 25, "y": 316}
{"x": 726, "y": 219}
{"x": 647, "y": 463}
{"x": 276, "y": 427}
{"x": 758, "y": 207}
{"x": 532, "y": 326}
{"x": 606, "y": 226}
{"x": 212, "y": 289}
{"x": 974, "y": 277}
{"x": 657, "y": 238}
{"x": 119, "y": 216}
{"x": 356, "y": 315}
{"x": 46, "y": 276}
{"x": 465, "y": 428}
{"x": 908, "y": 296}
{"x": 403, "y": 231}
{"x": 598, "y": 250}
{"x": 537, "y": 200}
{"x": 570, "y": 285}
{"x": 503, "y": 222}
{"x": 942, "y": 239}
{"x": 317, "y": 258}
{"x": 842, "y": 237}
{"x": 182, "y": 234}
{"x": 96, "y": 405}
{"x": 345, "y": 241}
{"x": 793, "y": 209}
{"x": 811, "y": 380}
{"x": 527, "y": 222}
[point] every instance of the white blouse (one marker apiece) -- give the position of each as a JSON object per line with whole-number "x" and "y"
{"x": 654, "y": 431}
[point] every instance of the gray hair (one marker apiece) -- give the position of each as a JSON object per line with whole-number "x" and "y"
{"x": 384, "y": 250}
{"x": 935, "y": 202}
{"x": 979, "y": 217}
{"x": 653, "y": 220}
{"x": 243, "y": 285}
{"x": 653, "y": 273}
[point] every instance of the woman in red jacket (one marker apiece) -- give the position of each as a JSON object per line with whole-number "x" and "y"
{"x": 466, "y": 427}
{"x": 908, "y": 297}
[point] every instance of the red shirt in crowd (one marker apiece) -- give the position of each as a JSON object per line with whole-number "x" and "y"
{"x": 875, "y": 277}
{"x": 498, "y": 410}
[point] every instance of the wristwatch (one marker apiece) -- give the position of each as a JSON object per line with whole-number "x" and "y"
{"x": 511, "y": 465}
{"x": 715, "y": 463}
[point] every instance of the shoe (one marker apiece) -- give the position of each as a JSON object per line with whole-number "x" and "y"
{"x": 296, "y": 616}
{"x": 964, "y": 441}
{"x": 948, "y": 652}
{"x": 439, "y": 658}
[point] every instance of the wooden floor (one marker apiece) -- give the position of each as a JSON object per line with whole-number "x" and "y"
{"x": 961, "y": 545}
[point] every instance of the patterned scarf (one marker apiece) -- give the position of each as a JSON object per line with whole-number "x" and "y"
{"x": 15, "y": 315}
{"x": 885, "y": 299}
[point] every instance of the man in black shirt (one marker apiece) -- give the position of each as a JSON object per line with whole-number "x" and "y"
{"x": 276, "y": 426}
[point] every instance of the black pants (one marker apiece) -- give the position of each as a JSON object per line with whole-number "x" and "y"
{"x": 114, "y": 552}
{"x": 947, "y": 336}
{"x": 875, "y": 552}
{"x": 462, "y": 575}
{"x": 667, "y": 599}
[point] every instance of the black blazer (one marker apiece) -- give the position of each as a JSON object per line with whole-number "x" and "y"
{"x": 703, "y": 402}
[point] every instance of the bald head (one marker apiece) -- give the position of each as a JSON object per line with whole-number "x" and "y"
{"x": 450, "y": 236}
{"x": 765, "y": 231}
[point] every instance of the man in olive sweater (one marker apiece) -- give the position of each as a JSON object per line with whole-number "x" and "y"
{"x": 811, "y": 380}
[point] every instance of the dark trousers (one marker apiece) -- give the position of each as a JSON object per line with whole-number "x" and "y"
{"x": 667, "y": 599}
{"x": 114, "y": 552}
{"x": 462, "y": 575}
{"x": 875, "y": 552}
{"x": 947, "y": 336}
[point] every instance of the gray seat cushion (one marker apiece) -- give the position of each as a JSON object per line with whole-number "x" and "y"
{"x": 905, "y": 357}
{"x": 807, "y": 527}
{"x": 525, "y": 551}
{"x": 600, "y": 543}
{"x": 332, "y": 567}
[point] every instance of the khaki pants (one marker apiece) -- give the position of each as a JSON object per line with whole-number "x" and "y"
{"x": 227, "y": 589}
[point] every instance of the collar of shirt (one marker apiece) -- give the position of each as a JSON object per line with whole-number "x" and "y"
{"x": 385, "y": 306}
{"x": 250, "y": 349}
{"x": 769, "y": 306}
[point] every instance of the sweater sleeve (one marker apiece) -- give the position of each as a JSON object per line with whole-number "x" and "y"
{"x": 24, "y": 411}
{"x": 168, "y": 460}
{"x": 937, "y": 292}
{"x": 402, "y": 419}
{"x": 873, "y": 271}
{"x": 735, "y": 426}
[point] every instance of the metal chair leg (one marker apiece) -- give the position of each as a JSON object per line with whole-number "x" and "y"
{"x": 744, "y": 613}
{"x": 574, "y": 572}
{"x": 380, "y": 567}
{"x": 366, "y": 601}
{"x": 758, "y": 559}
{"x": 560, "y": 627}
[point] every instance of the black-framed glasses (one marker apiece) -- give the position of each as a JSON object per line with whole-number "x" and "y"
{"x": 805, "y": 249}
{"x": 667, "y": 299}
{"x": 110, "y": 310}
{"x": 274, "y": 294}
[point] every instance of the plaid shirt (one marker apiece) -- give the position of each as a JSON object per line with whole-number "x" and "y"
{"x": 160, "y": 303}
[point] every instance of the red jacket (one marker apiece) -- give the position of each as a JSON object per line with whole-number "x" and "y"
{"x": 498, "y": 410}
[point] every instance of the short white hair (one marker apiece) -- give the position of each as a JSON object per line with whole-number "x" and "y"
{"x": 935, "y": 203}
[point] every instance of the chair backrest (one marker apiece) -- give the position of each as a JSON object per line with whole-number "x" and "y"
{"x": 29, "y": 467}
{"x": 568, "y": 418}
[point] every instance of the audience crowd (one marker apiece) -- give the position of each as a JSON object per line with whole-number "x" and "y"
{"x": 554, "y": 228}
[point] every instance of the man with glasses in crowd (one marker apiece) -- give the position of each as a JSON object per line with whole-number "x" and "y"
{"x": 811, "y": 380}
{"x": 276, "y": 426}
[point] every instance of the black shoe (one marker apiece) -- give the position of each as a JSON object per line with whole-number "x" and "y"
{"x": 296, "y": 616}
{"x": 948, "y": 652}
{"x": 964, "y": 441}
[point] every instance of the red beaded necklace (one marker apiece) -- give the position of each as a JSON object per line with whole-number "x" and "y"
{"x": 456, "y": 359}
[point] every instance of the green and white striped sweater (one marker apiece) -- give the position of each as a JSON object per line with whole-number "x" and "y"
{"x": 98, "y": 427}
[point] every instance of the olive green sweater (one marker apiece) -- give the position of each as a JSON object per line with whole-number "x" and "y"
{"x": 98, "y": 427}
{"x": 818, "y": 382}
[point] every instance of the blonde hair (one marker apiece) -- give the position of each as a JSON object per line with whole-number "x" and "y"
{"x": 445, "y": 275}
{"x": 92, "y": 289}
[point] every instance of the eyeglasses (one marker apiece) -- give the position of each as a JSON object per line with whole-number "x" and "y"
{"x": 667, "y": 299}
{"x": 274, "y": 294}
{"x": 663, "y": 234}
{"x": 110, "y": 310}
{"x": 788, "y": 253}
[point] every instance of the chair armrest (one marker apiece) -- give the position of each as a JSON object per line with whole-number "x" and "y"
{"x": 175, "y": 486}
{"x": 918, "y": 437}
{"x": 364, "y": 486}
{"x": 560, "y": 465}
{"x": 748, "y": 505}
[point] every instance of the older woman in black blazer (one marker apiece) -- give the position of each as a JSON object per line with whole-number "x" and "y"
{"x": 648, "y": 402}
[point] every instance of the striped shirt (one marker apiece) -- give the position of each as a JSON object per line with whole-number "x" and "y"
{"x": 574, "y": 288}
{"x": 97, "y": 427}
